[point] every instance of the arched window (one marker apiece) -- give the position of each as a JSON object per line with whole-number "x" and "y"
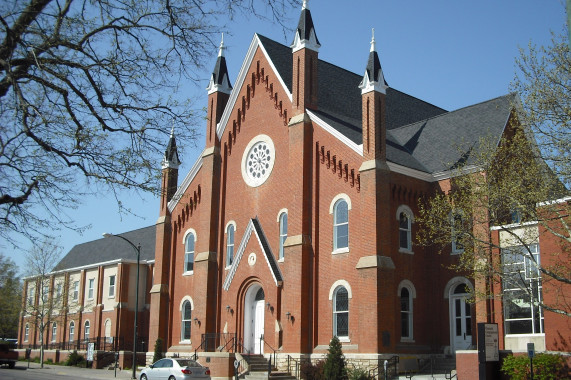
{"x": 230, "y": 244}
{"x": 405, "y": 313}
{"x": 54, "y": 331}
{"x": 26, "y": 332}
{"x": 108, "y": 337}
{"x": 185, "y": 321}
{"x": 71, "y": 331}
{"x": 340, "y": 225}
{"x": 341, "y": 312}
{"x": 405, "y": 241}
{"x": 86, "y": 329}
{"x": 189, "y": 252}
{"x": 283, "y": 233}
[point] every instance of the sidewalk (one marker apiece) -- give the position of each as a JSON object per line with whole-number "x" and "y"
{"x": 80, "y": 373}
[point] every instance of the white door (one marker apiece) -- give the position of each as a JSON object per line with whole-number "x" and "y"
{"x": 461, "y": 323}
{"x": 258, "y": 327}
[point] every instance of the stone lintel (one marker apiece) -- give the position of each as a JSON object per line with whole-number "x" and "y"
{"x": 375, "y": 261}
{"x": 374, "y": 164}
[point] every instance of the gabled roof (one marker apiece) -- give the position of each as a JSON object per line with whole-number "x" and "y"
{"x": 111, "y": 249}
{"x": 255, "y": 227}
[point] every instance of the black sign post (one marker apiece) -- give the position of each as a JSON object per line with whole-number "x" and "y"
{"x": 488, "y": 351}
{"x": 531, "y": 354}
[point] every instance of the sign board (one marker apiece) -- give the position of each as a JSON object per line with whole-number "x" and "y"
{"x": 90, "y": 349}
{"x": 488, "y": 342}
{"x": 531, "y": 350}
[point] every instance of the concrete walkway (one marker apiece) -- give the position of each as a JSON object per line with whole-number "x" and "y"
{"x": 80, "y": 373}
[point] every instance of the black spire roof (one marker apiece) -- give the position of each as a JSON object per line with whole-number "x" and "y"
{"x": 171, "y": 153}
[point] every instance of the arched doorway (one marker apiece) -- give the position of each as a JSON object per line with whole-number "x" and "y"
{"x": 254, "y": 319}
{"x": 460, "y": 317}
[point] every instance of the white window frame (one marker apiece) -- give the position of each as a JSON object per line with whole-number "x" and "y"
{"x": 283, "y": 234}
{"x": 90, "y": 288}
{"x": 86, "y": 330}
{"x": 404, "y": 209}
{"x": 26, "y": 332}
{"x": 189, "y": 256}
{"x": 183, "y": 302}
{"x": 336, "y": 313}
{"x": 112, "y": 286}
{"x": 336, "y": 225}
{"x": 31, "y": 295}
{"x": 54, "y": 331}
{"x": 75, "y": 290}
{"x": 71, "y": 331}
{"x": 230, "y": 243}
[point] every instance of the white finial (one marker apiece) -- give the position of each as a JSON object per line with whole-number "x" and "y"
{"x": 221, "y": 50}
{"x": 373, "y": 48}
{"x": 304, "y": 6}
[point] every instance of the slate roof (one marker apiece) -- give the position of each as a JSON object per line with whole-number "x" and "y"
{"x": 420, "y": 135}
{"x": 109, "y": 249}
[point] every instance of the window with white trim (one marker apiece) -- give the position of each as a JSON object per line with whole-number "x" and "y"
{"x": 522, "y": 290}
{"x": 230, "y": 231}
{"x": 86, "y": 330}
{"x": 26, "y": 332}
{"x": 405, "y": 230}
{"x": 112, "y": 286}
{"x": 75, "y": 293}
{"x": 283, "y": 233}
{"x": 90, "y": 288}
{"x": 54, "y": 332}
{"x": 406, "y": 313}
{"x": 189, "y": 252}
{"x": 71, "y": 331}
{"x": 31, "y": 294}
{"x": 341, "y": 312}
{"x": 340, "y": 225}
{"x": 186, "y": 317}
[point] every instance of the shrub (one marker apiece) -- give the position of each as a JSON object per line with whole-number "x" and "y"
{"x": 158, "y": 355}
{"x": 334, "y": 368}
{"x": 545, "y": 367}
{"x": 310, "y": 371}
{"x": 75, "y": 359}
{"x": 358, "y": 374}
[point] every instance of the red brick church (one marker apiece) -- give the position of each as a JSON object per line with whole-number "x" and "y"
{"x": 297, "y": 222}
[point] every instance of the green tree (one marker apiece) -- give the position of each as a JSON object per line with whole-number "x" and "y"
{"x": 520, "y": 181}
{"x": 335, "y": 367}
{"x": 10, "y": 298}
{"x": 89, "y": 90}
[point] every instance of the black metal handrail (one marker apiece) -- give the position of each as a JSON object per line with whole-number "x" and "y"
{"x": 388, "y": 373}
{"x": 296, "y": 373}
{"x": 273, "y": 353}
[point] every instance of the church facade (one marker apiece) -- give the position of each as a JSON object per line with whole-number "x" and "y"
{"x": 297, "y": 222}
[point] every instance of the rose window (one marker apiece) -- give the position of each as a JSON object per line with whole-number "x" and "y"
{"x": 258, "y": 160}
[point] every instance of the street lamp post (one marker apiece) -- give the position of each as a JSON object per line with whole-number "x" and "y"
{"x": 137, "y": 249}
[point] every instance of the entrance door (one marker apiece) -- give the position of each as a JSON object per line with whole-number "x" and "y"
{"x": 254, "y": 320}
{"x": 460, "y": 319}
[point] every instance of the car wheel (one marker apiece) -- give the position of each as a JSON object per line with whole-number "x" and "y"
{"x": 143, "y": 377}
{"x": 172, "y": 378}
{"x": 12, "y": 365}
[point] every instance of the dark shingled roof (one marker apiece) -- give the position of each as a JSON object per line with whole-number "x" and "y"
{"x": 220, "y": 69}
{"x": 109, "y": 249}
{"x": 305, "y": 25}
{"x": 420, "y": 135}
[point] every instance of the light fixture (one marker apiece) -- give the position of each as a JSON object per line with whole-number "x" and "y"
{"x": 227, "y": 308}
{"x": 268, "y": 305}
{"x": 288, "y": 315}
{"x": 195, "y": 320}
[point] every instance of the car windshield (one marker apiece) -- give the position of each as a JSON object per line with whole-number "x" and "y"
{"x": 187, "y": 363}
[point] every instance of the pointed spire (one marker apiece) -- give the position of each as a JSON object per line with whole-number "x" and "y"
{"x": 305, "y": 36}
{"x": 373, "y": 80}
{"x": 170, "y": 159}
{"x": 219, "y": 80}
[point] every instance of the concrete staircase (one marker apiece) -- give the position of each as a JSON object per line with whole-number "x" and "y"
{"x": 258, "y": 370}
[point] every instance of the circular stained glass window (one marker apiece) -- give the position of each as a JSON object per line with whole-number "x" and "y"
{"x": 258, "y": 160}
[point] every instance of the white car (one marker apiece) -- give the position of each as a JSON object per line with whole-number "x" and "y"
{"x": 175, "y": 369}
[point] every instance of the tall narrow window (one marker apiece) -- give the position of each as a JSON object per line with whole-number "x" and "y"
{"x": 90, "y": 288}
{"x": 340, "y": 225}
{"x": 283, "y": 233}
{"x": 112, "y": 286}
{"x": 71, "y": 331}
{"x": 86, "y": 330}
{"x": 405, "y": 314}
{"x": 405, "y": 241}
{"x": 58, "y": 290}
{"x": 341, "y": 312}
{"x": 185, "y": 322}
{"x": 457, "y": 226}
{"x": 54, "y": 332}
{"x": 75, "y": 290}
{"x": 26, "y": 332}
{"x": 229, "y": 245}
{"x": 189, "y": 253}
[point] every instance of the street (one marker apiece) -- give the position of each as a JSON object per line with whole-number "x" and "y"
{"x": 52, "y": 372}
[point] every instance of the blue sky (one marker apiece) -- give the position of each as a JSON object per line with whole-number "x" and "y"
{"x": 451, "y": 53}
